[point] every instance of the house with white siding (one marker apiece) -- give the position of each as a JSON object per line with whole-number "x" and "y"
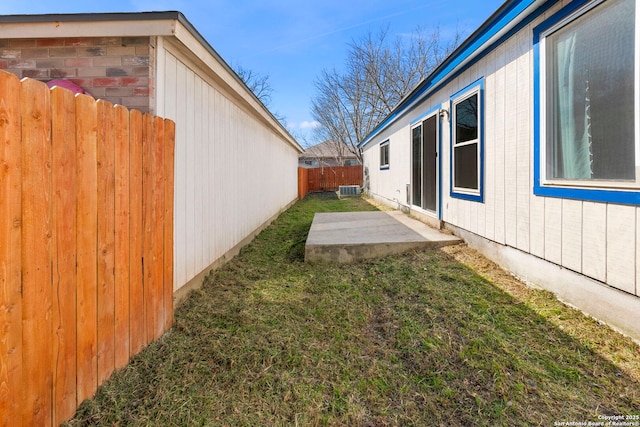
{"x": 157, "y": 62}
{"x": 526, "y": 143}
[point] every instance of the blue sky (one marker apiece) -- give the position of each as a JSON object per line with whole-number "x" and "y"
{"x": 290, "y": 41}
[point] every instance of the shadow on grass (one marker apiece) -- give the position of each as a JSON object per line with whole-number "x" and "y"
{"x": 415, "y": 339}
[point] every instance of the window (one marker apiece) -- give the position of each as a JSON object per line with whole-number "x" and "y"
{"x": 467, "y": 139}
{"x": 586, "y": 143}
{"x": 384, "y": 155}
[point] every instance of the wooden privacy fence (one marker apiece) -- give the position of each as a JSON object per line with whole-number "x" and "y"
{"x": 327, "y": 178}
{"x": 86, "y": 245}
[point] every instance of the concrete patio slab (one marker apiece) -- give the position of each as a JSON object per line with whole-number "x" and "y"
{"x": 345, "y": 237}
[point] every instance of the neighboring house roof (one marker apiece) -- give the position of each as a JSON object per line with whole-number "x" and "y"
{"x": 135, "y": 24}
{"x": 328, "y": 149}
{"x": 506, "y": 21}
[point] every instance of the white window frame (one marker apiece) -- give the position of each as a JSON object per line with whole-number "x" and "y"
{"x": 384, "y": 147}
{"x": 609, "y": 185}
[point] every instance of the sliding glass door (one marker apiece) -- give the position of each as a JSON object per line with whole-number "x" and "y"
{"x": 424, "y": 164}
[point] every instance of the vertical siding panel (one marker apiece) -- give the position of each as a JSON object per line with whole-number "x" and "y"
{"x": 181, "y": 180}
{"x": 621, "y": 245}
{"x": 193, "y": 245}
{"x": 473, "y": 217}
{"x": 122, "y": 237}
{"x": 553, "y": 230}
{"x": 537, "y": 224}
{"x": 136, "y": 281}
{"x": 211, "y": 183}
{"x": 236, "y": 172}
{"x": 230, "y": 154}
{"x": 213, "y": 169}
{"x": 524, "y": 144}
{"x": 170, "y": 98}
{"x": 572, "y": 234}
{"x": 207, "y": 196}
{"x": 227, "y": 190}
{"x": 63, "y": 139}
{"x": 594, "y": 240}
{"x": 170, "y": 86}
{"x": 197, "y": 168}
{"x": 511, "y": 145}
{"x": 499, "y": 124}
{"x": 36, "y": 254}
{"x": 475, "y": 72}
{"x": 87, "y": 243}
{"x": 106, "y": 241}
{"x": 214, "y": 133}
{"x": 10, "y": 251}
{"x": 490, "y": 148}
{"x": 480, "y": 208}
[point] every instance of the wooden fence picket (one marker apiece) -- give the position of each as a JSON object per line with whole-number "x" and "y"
{"x": 63, "y": 143}
{"x": 122, "y": 236}
{"x": 106, "y": 240}
{"x": 87, "y": 241}
{"x": 10, "y": 251}
{"x": 157, "y": 233}
{"x": 36, "y": 254}
{"x": 137, "y": 329}
{"x": 169, "y": 159}
{"x": 147, "y": 223}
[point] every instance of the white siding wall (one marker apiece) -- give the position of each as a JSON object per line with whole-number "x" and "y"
{"x": 232, "y": 173}
{"x": 391, "y": 183}
{"x": 598, "y": 240}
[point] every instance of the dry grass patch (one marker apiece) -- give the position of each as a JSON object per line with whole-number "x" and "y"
{"x": 417, "y": 339}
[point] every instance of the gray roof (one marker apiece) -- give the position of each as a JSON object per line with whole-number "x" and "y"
{"x": 327, "y": 149}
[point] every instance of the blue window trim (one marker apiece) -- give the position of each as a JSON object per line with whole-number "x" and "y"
{"x": 385, "y": 166}
{"x": 588, "y": 194}
{"x": 478, "y": 85}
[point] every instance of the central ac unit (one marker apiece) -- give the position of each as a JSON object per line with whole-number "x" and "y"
{"x": 348, "y": 190}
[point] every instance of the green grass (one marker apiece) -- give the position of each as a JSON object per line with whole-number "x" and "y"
{"x": 414, "y": 340}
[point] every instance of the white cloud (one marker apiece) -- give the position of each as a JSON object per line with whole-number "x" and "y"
{"x": 310, "y": 125}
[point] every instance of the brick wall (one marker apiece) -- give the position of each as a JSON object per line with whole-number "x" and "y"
{"x": 117, "y": 69}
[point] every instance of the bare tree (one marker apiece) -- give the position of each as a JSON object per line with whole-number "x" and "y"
{"x": 258, "y": 83}
{"x": 377, "y": 74}
{"x": 261, "y": 87}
